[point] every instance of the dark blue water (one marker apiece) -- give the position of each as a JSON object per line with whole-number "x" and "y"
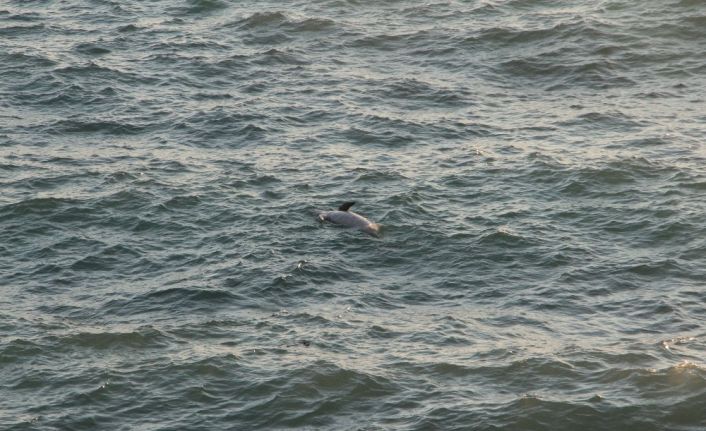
{"x": 539, "y": 170}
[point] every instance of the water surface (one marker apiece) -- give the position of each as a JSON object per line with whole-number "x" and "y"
{"x": 539, "y": 169}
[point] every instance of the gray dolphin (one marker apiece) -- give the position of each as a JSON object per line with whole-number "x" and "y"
{"x": 350, "y": 219}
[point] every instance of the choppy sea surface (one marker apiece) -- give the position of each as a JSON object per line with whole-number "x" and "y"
{"x": 539, "y": 169}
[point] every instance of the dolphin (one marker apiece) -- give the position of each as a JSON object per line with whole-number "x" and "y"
{"x": 350, "y": 219}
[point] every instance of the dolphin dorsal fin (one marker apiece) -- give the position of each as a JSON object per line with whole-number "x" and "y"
{"x": 345, "y": 206}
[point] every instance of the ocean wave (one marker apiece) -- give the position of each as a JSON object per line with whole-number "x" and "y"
{"x": 177, "y": 299}
{"x": 39, "y": 206}
{"x": 559, "y": 75}
{"x": 110, "y": 258}
{"x": 141, "y": 338}
{"x": 21, "y": 30}
{"x": 221, "y": 123}
{"x": 281, "y": 57}
{"x": 93, "y": 71}
{"x": 199, "y": 7}
{"x": 261, "y": 19}
{"x": 109, "y": 127}
{"x": 91, "y": 49}
{"x": 414, "y": 89}
{"x": 282, "y": 22}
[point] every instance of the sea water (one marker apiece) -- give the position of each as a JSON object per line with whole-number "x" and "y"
{"x": 538, "y": 167}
